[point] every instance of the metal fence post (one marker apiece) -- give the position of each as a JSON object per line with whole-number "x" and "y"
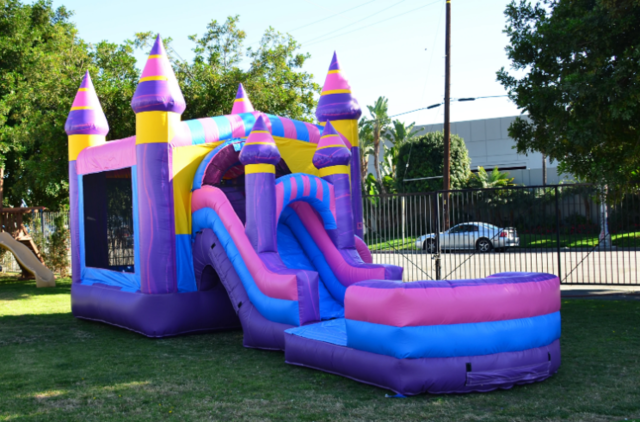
{"x": 437, "y": 257}
{"x": 558, "y": 235}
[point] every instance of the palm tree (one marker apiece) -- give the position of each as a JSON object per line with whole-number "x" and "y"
{"x": 495, "y": 179}
{"x": 400, "y": 134}
{"x": 365, "y": 135}
{"x": 379, "y": 122}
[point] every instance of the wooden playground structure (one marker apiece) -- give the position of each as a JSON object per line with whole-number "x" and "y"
{"x": 15, "y": 237}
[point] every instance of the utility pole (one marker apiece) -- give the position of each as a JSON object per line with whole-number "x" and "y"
{"x": 447, "y": 119}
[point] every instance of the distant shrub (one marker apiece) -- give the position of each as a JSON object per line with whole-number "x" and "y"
{"x": 426, "y": 159}
{"x": 57, "y": 254}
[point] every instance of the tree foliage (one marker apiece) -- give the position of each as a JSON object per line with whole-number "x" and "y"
{"x": 379, "y": 121}
{"x": 57, "y": 251}
{"x": 39, "y": 57}
{"x": 397, "y": 135}
{"x": 580, "y": 85}
{"x": 42, "y": 61}
{"x": 495, "y": 179}
{"x": 425, "y": 155}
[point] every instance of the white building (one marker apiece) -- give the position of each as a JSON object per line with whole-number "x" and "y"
{"x": 490, "y": 146}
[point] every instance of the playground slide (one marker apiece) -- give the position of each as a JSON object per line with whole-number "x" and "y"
{"x": 26, "y": 258}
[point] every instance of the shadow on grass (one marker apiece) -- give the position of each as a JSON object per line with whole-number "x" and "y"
{"x": 15, "y": 288}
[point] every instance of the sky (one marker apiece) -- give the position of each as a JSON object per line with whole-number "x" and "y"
{"x": 391, "y": 48}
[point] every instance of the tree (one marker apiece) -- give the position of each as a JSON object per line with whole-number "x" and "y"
{"x": 425, "y": 155}
{"x": 42, "y": 61}
{"x": 272, "y": 76}
{"x": 495, "y": 179}
{"x": 398, "y": 135}
{"x": 580, "y": 67}
{"x": 379, "y": 122}
{"x": 57, "y": 251}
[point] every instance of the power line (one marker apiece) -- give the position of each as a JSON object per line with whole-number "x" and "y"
{"x": 375, "y": 23}
{"x": 329, "y": 17}
{"x": 363, "y": 19}
{"x": 452, "y": 99}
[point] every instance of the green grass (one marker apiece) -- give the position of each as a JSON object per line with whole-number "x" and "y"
{"x": 622, "y": 240}
{"x": 529, "y": 241}
{"x": 392, "y": 244}
{"x": 54, "y": 367}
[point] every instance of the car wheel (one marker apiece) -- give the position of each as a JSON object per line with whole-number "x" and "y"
{"x": 484, "y": 245}
{"x": 429, "y": 246}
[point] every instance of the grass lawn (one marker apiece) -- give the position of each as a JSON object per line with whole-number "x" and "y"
{"x": 622, "y": 240}
{"x": 54, "y": 367}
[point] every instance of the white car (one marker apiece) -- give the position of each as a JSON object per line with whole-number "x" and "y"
{"x": 482, "y": 237}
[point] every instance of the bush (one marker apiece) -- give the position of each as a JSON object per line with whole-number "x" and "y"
{"x": 426, "y": 159}
{"x": 57, "y": 254}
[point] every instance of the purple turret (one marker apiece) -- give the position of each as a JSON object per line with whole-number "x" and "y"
{"x": 336, "y": 101}
{"x": 260, "y": 156}
{"x": 158, "y": 89}
{"x": 338, "y": 106}
{"x": 332, "y": 159}
{"x": 158, "y": 103}
{"x": 242, "y": 104}
{"x": 86, "y": 126}
{"x": 86, "y": 116}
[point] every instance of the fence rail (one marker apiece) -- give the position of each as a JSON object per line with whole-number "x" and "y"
{"x": 562, "y": 229}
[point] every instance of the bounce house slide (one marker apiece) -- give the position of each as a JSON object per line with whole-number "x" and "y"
{"x": 26, "y": 259}
{"x": 299, "y": 284}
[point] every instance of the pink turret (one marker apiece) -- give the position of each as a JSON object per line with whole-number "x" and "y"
{"x": 242, "y": 104}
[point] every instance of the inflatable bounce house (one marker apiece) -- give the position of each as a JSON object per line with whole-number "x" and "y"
{"x": 255, "y": 221}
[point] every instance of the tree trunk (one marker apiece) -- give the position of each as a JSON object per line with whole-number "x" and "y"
{"x": 364, "y": 169}
{"x": 376, "y": 156}
{"x": 1, "y": 185}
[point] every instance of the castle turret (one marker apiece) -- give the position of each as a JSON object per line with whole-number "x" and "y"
{"x": 332, "y": 159}
{"x": 158, "y": 104}
{"x": 242, "y": 104}
{"x": 260, "y": 156}
{"x": 338, "y": 106}
{"x": 86, "y": 126}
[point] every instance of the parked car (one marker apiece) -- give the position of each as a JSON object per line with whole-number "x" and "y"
{"x": 482, "y": 237}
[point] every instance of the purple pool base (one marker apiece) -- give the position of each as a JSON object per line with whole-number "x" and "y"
{"x": 426, "y": 375}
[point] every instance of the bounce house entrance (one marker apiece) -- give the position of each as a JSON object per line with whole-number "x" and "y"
{"x": 222, "y": 168}
{"x": 108, "y": 220}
